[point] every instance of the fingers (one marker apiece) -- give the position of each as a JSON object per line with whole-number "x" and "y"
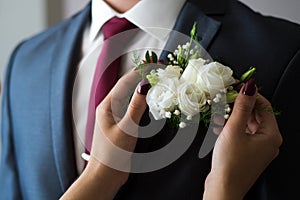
{"x": 116, "y": 101}
{"x": 243, "y": 108}
{"x": 264, "y": 109}
{"x": 136, "y": 109}
{"x": 267, "y": 121}
{"x": 121, "y": 108}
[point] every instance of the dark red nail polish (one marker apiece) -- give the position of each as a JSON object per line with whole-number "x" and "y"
{"x": 250, "y": 87}
{"x": 143, "y": 86}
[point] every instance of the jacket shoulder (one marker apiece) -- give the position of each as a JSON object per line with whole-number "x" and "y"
{"x": 49, "y": 35}
{"x": 273, "y": 25}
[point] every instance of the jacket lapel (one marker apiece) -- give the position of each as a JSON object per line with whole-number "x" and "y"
{"x": 65, "y": 60}
{"x": 190, "y": 13}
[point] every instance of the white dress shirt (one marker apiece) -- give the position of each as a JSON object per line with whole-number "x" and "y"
{"x": 154, "y": 18}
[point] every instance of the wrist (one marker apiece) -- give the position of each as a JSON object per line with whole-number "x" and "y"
{"x": 218, "y": 186}
{"x": 96, "y": 182}
{"x": 101, "y": 172}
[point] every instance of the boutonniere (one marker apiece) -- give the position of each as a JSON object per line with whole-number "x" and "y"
{"x": 188, "y": 88}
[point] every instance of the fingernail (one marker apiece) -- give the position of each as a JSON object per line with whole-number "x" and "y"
{"x": 250, "y": 87}
{"x": 143, "y": 86}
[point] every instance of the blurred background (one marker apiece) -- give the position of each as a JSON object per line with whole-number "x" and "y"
{"x": 22, "y": 19}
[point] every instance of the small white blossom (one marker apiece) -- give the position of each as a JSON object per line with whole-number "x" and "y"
{"x": 170, "y": 56}
{"x": 209, "y": 102}
{"x": 216, "y": 100}
{"x": 182, "y": 125}
{"x": 228, "y": 109}
{"x": 226, "y": 116}
{"x": 219, "y": 96}
{"x": 223, "y": 90}
{"x": 189, "y": 117}
{"x": 176, "y": 112}
{"x": 168, "y": 115}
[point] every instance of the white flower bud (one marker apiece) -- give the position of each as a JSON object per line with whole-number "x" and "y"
{"x": 189, "y": 117}
{"x": 209, "y": 102}
{"x": 168, "y": 115}
{"x": 228, "y": 109}
{"x": 216, "y": 100}
{"x": 176, "y": 112}
{"x": 182, "y": 125}
{"x": 219, "y": 96}
{"x": 187, "y": 44}
{"x": 223, "y": 90}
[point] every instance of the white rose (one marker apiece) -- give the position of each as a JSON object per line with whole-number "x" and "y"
{"x": 214, "y": 77}
{"x": 191, "y": 99}
{"x": 162, "y": 97}
{"x": 169, "y": 72}
{"x": 191, "y": 71}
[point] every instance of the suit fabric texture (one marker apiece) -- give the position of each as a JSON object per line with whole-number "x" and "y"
{"x": 37, "y": 142}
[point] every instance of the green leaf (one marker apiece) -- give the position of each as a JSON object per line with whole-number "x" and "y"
{"x": 248, "y": 74}
{"x": 231, "y": 96}
{"x": 174, "y": 121}
{"x": 147, "y": 56}
{"x": 194, "y": 32}
{"x": 152, "y": 79}
{"x": 154, "y": 57}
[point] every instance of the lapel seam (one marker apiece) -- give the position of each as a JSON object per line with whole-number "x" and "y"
{"x": 59, "y": 174}
{"x": 61, "y": 80}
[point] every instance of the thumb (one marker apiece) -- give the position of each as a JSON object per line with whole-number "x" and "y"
{"x": 243, "y": 107}
{"x": 136, "y": 107}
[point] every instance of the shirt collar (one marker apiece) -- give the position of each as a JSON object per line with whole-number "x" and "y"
{"x": 146, "y": 14}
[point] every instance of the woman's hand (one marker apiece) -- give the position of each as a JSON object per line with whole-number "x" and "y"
{"x": 247, "y": 144}
{"x": 116, "y": 129}
{"x": 116, "y": 125}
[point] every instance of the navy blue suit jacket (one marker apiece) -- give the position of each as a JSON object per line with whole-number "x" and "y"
{"x": 38, "y": 160}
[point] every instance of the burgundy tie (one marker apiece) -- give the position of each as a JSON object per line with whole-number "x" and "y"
{"x": 105, "y": 76}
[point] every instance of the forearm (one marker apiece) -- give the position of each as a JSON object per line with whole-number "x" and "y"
{"x": 96, "y": 182}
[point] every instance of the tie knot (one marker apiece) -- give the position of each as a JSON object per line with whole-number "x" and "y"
{"x": 116, "y": 25}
